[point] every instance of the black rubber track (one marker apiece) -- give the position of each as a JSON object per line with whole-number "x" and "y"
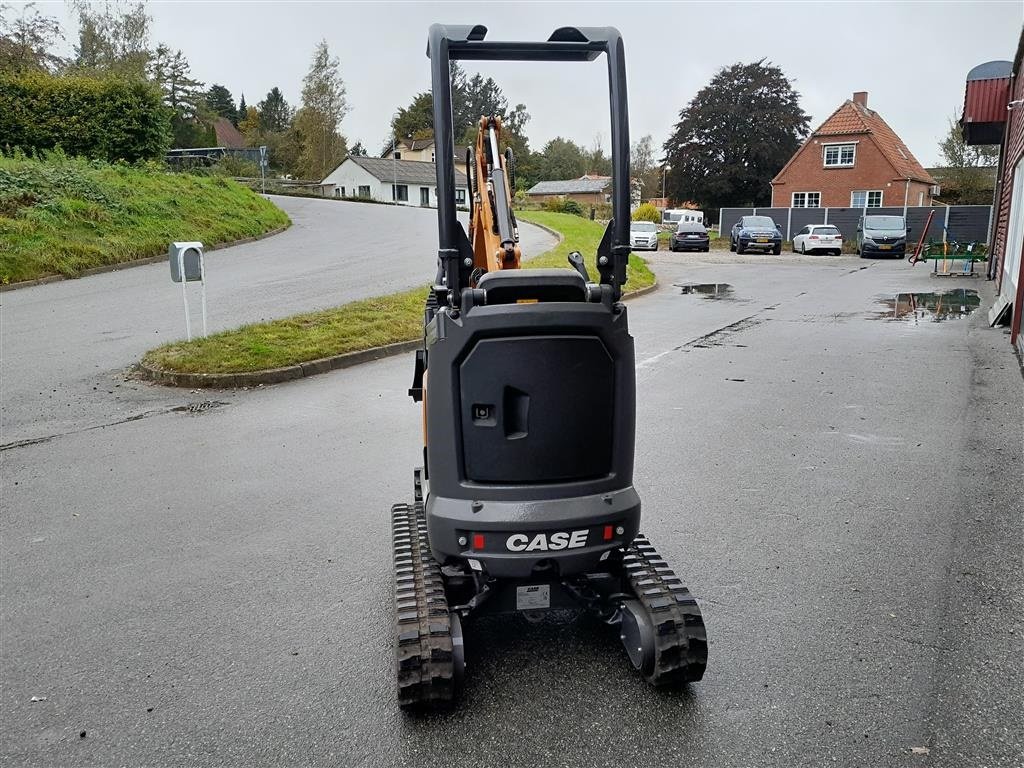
{"x": 681, "y": 645}
{"x": 425, "y": 665}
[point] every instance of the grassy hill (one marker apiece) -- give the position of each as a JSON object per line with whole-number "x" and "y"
{"x": 60, "y": 216}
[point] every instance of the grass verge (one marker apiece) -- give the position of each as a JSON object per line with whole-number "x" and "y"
{"x": 61, "y": 216}
{"x": 361, "y": 324}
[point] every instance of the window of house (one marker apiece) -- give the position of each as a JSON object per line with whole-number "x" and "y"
{"x": 338, "y": 192}
{"x": 398, "y": 155}
{"x": 460, "y": 196}
{"x": 400, "y": 192}
{"x": 364, "y": 191}
{"x": 431, "y": 157}
{"x": 871, "y": 198}
{"x": 840, "y": 155}
{"x": 807, "y": 199}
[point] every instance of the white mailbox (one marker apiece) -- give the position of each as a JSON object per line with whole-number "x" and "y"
{"x": 186, "y": 261}
{"x": 186, "y": 258}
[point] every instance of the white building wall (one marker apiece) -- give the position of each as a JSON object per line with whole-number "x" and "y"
{"x": 349, "y": 176}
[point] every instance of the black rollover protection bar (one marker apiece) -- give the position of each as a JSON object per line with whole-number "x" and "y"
{"x": 466, "y": 43}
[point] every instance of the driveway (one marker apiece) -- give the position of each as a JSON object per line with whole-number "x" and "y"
{"x": 833, "y": 468}
{"x": 66, "y": 344}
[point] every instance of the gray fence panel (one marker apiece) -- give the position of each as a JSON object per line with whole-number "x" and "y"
{"x": 966, "y": 222}
{"x": 916, "y": 218}
{"x": 802, "y": 217}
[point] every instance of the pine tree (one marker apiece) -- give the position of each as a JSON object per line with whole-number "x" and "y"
{"x": 275, "y": 114}
{"x": 220, "y": 102}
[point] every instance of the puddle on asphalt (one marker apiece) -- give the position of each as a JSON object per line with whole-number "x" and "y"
{"x": 928, "y": 307}
{"x": 707, "y": 290}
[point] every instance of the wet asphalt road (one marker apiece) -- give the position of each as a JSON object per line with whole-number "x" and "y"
{"x": 66, "y": 344}
{"x": 840, "y": 488}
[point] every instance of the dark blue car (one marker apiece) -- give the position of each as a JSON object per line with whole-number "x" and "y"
{"x": 755, "y": 233}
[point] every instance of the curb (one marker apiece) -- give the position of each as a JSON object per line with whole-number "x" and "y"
{"x": 642, "y": 292}
{"x": 299, "y": 370}
{"x": 133, "y": 263}
{"x": 275, "y": 375}
{"x": 549, "y": 230}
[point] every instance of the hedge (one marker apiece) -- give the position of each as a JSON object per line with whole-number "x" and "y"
{"x": 97, "y": 118}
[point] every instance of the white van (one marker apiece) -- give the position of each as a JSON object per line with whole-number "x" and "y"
{"x": 676, "y": 215}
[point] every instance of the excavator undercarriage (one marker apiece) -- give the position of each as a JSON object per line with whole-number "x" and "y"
{"x": 525, "y": 501}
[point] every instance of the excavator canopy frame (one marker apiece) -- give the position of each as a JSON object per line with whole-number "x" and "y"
{"x": 567, "y": 44}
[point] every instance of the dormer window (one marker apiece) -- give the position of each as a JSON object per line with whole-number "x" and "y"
{"x": 840, "y": 155}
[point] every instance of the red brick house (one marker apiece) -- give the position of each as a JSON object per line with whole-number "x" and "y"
{"x": 994, "y": 109}
{"x": 853, "y": 160}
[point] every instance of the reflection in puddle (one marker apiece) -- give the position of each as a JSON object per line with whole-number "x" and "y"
{"x": 707, "y": 290}
{"x": 929, "y": 307}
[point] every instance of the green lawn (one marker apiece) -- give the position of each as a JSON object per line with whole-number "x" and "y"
{"x": 60, "y": 216}
{"x": 361, "y": 324}
{"x": 581, "y": 235}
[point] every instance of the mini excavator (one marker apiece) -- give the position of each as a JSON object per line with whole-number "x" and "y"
{"x": 525, "y": 500}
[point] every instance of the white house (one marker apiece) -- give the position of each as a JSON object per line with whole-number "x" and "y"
{"x": 419, "y": 149}
{"x": 409, "y": 182}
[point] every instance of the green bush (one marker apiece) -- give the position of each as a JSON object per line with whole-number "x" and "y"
{"x": 647, "y": 212}
{"x": 563, "y": 205}
{"x": 84, "y": 116}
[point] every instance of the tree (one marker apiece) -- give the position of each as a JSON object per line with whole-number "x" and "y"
{"x": 112, "y": 38}
{"x": 358, "y": 150}
{"x": 249, "y": 126}
{"x": 598, "y": 163}
{"x": 243, "y": 108}
{"x": 513, "y": 135}
{"x": 644, "y": 168}
{"x": 734, "y": 137}
{"x": 415, "y": 120}
{"x": 275, "y": 114}
{"x": 26, "y": 39}
{"x": 561, "y": 159}
{"x": 472, "y": 99}
{"x": 967, "y": 178}
{"x": 220, "y": 102}
{"x": 183, "y": 95}
{"x": 318, "y": 120}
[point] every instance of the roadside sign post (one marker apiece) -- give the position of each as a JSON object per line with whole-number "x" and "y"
{"x": 187, "y": 266}
{"x": 263, "y": 168}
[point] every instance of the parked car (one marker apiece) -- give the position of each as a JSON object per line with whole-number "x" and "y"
{"x": 643, "y": 236}
{"x": 882, "y": 236}
{"x": 755, "y": 233}
{"x": 818, "y": 237}
{"x": 690, "y": 236}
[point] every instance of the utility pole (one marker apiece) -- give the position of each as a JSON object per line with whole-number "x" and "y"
{"x": 394, "y": 167}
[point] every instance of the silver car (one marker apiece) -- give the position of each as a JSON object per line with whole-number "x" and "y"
{"x": 643, "y": 236}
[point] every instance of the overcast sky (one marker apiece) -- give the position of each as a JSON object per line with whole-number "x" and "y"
{"x": 911, "y": 57}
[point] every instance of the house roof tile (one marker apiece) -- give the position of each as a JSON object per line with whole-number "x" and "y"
{"x": 585, "y": 185}
{"x": 227, "y": 134}
{"x": 407, "y": 171}
{"x": 852, "y": 119}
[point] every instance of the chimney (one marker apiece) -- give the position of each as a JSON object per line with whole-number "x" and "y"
{"x": 861, "y": 97}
